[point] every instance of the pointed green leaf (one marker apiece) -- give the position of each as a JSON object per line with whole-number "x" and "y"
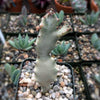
{"x": 97, "y": 78}
{"x": 82, "y": 20}
{"x": 97, "y": 44}
{"x": 32, "y": 41}
{"x": 9, "y": 68}
{"x": 66, "y": 48}
{"x": 12, "y": 43}
{"x": 17, "y": 44}
{"x": 28, "y": 48}
{"x": 16, "y": 79}
{"x": 14, "y": 74}
{"x": 24, "y": 20}
{"x": 20, "y": 39}
{"x": 94, "y": 38}
{"x": 26, "y": 41}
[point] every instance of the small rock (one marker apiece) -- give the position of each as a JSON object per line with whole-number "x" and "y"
{"x": 51, "y": 91}
{"x": 7, "y": 58}
{"x": 33, "y": 93}
{"x": 38, "y": 95}
{"x": 57, "y": 94}
{"x": 53, "y": 95}
{"x": 56, "y": 88}
{"x": 62, "y": 84}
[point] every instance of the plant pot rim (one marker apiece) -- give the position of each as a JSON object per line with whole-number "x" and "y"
{"x": 66, "y": 9}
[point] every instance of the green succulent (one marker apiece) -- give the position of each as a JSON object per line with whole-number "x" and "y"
{"x": 80, "y": 6}
{"x": 13, "y": 72}
{"x": 61, "y": 49}
{"x": 90, "y": 19}
{"x": 60, "y": 16}
{"x": 97, "y": 78}
{"x": 22, "y": 20}
{"x": 95, "y": 40}
{"x": 22, "y": 43}
{"x": 98, "y": 2}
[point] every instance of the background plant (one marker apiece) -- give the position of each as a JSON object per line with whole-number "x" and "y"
{"x": 90, "y": 19}
{"x": 22, "y": 43}
{"x": 79, "y": 6}
{"x": 22, "y": 20}
{"x": 61, "y": 49}
{"x": 13, "y": 72}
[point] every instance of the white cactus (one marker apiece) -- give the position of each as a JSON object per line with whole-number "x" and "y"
{"x": 45, "y": 69}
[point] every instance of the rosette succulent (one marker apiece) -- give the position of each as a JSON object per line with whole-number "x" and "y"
{"x": 80, "y": 6}
{"x": 22, "y": 43}
{"x": 90, "y": 19}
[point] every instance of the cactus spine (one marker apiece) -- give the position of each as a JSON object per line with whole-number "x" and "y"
{"x": 45, "y": 69}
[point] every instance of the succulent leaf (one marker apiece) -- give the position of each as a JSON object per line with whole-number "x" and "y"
{"x": 12, "y": 43}
{"x": 32, "y": 41}
{"x": 97, "y": 44}
{"x": 94, "y": 38}
{"x": 90, "y": 19}
{"x": 28, "y": 48}
{"x": 82, "y": 20}
{"x": 66, "y": 48}
{"x": 97, "y": 78}
{"x": 16, "y": 79}
{"x": 60, "y": 16}
{"x": 14, "y": 74}
{"x": 9, "y": 68}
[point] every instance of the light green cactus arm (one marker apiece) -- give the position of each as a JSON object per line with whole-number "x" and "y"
{"x": 45, "y": 69}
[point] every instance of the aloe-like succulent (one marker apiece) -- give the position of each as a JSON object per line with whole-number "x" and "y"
{"x": 90, "y": 19}
{"x": 60, "y": 16}
{"x": 22, "y": 43}
{"x": 61, "y": 49}
{"x": 13, "y": 72}
{"x": 41, "y": 3}
{"x": 95, "y": 40}
{"x": 22, "y": 20}
{"x": 79, "y": 6}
